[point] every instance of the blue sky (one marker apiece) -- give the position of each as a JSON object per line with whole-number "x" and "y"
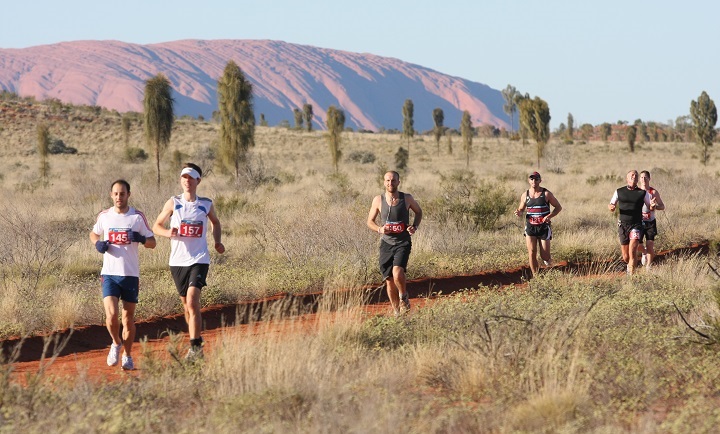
{"x": 601, "y": 61}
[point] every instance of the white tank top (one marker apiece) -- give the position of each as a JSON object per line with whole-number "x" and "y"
{"x": 190, "y": 218}
{"x": 121, "y": 258}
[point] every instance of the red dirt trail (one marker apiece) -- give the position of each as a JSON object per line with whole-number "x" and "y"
{"x": 86, "y": 348}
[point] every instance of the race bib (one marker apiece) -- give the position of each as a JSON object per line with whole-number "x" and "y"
{"x": 191, "y": 228}
{"x": 535, "y": 220}
{"x": 395, "y": 227}
{"x": 119, "y": 236}
{"x": 646, "y": 216}
{"x": 635, "y": 234}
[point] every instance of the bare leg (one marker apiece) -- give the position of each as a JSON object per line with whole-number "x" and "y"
{"x": 545, "y": 250}
{"x": 193, "y": 317}
{"x": 632, "y": 247}
{"x": 128, "y": 320}
{"x": 111, "y": 318}
{"x": 399, "y": 280}
{"x": 531, "y": 243}
{"x": 650, "y": 252}
{"x": 392, "y": 292}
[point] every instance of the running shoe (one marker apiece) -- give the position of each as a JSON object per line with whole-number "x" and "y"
{"x": 114, "y": 354}
{"x": 127, "y": 363}
{"x": 643, "y": 259}
{"x": 194, "y": 353}
{"x": 405, "y": 302}
{"x": 547, "y": 263}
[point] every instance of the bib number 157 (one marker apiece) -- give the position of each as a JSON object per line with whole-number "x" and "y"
{"x": 191, "y": 228}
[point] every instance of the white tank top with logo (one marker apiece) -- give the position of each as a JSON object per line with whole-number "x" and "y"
{"x": 189, "y": 247}
{"x": 121, "y": 258}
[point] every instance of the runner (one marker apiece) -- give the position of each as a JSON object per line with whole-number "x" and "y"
{"x": 649, "y": 222}
{"x": 629, "y": 199}
{"x": 395, "y": 243}
{"x": 537, "y": 201}
{"x": 188, "y": 214}
{"x": 116, "y": 234}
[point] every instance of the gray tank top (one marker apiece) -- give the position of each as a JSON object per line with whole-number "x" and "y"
{"x": 396, "y": 218}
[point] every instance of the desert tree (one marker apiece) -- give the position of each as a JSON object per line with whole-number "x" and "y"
{"x": 335, "y": 126}
{"x": 43, "y": 148}
{"x": 308, "y": 113}
{"x": 519, "y": 98}
{"x": 237, "y": 118}
{"x": 535, "y": 118}
{"x": 605, "y": 131}
{"x": 449, "y": 142}
{"x": 263, "y": 121}
{"x": 570, "y": 126}
{"x": 466, "y": 130}
{"x": 298, "y": 116}
{"x": 126, "y": 124}
{"x": 704, "y": 118}
{"x": 630, "y": 136}
{"x": 408, "y": 121}
{"x": 438, "y": 120}
{"x": 510, "y": 94}
{"x": 159, "y": 117}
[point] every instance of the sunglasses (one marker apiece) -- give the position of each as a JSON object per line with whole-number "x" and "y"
{"x": 534, "y": 177}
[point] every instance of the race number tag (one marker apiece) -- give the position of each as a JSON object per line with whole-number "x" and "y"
{"x": 119, "y": 236}
{"x": 395, "y": 227}
{"x": 646, "y": 216}
{"x": 191, "y": 228}
{"x": 536, "y": 220}
{"x": 635, "y": 234}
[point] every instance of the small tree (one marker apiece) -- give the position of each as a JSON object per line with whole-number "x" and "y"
{"x": 159, "y": 116}
{"x": 43, "y": 146}
{"x": 535, "y": 119}
{"x": 438, "y": 120}
{"x": 408, "y": 122}
{"x": 298, "y": 115}
{"x": 308, "y": 112}
{"x": 126, "y": 123}
{"x": 263, "y": 122}
{"x": 401, "y": 159}
{"x": 704, "y": 117}
{"x": 335, "y": 125}
{"x": 570, "y": 126}
{"x": 237, "y": 118}
{"x": 466, "y": 130}
{"x": 605, "y": 131}
{"x": 630, "y": 136}
{"x": 510, "y": 107}
{"x": 449, "y": 142}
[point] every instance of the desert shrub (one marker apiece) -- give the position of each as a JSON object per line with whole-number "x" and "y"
{"x": 401, "y": 159}
{"x": 595, "y": 179}
{"x": 362, "y": 157}
{"x": 57, "y": 146}
{"x": 229, "y": 205}
{"x": 465, "y": 201}
{"x": 135, "y": 155}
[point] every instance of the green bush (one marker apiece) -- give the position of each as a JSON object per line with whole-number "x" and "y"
{"x": 362, "y": 157}
{"x": 135, "y": 155}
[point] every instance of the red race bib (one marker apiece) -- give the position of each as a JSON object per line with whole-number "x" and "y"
{"x": 395, "y": 227}
{"x": 191, "y": 228}
{"x": 536, "y": 220}
{"x": 119, "y": 236}
{"x": 646, "y": 216}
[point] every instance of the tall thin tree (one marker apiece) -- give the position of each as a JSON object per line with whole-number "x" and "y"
{"x": 159, "y": 117}
{"x": 308, "y": 112}
{"x": 408, "y": 121}
{"x": 237, "y": 118}
{"x": 630, "y": 136}
{"x": 43, "y": 147}
{"x": 535, "y": 119}
{"x": 298, "y": 115}
{"x": 335, "y": 125}
{"x": 704, "y": 116}
{"x": 510, "y": 94}
{"x": 466, "y": 130}
{"x": 438, "y": 129}
{"x": 570, "y": 127}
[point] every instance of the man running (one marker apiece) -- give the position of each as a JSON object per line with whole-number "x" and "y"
{"x": 188, "y": 214}
{"x": 629, "y": 199}
{"x": 395, "y": 243}
{"x": 116, "y": 235}
{"x": 537, "y": 201}
{"x": 649, "y": 222}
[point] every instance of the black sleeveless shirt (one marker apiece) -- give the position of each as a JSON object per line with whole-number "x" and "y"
{"x": 396, "y": 218}
{"x": 630, "y": 203}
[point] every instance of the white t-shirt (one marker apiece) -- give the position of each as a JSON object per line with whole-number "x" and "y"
{"x": 121, "y": 258}
{"x": 189, "y": 247}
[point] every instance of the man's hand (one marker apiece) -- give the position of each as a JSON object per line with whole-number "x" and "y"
{"x": 102, "y": 246}
{"x": 136, "y": 237}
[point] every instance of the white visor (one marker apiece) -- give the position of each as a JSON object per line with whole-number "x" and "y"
{"x": 190, "y": 171}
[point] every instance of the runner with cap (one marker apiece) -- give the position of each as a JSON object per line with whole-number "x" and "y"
{"x": 188, "y": 215}
{"x": 536, "y": 201}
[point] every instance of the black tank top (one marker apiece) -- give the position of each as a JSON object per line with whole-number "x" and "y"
{"x": 537, "y": 208}
{"x": 395, "y": 218}
{"x": 630, "y": 203}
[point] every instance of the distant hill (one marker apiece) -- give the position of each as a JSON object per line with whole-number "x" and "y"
{"x": 369, "y": 88}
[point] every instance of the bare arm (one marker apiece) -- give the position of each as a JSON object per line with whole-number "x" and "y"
{"x": 150, "y": 243}
{"x": 521, "y": 207}
{"x": 552, "y": 200}
{"x": 159, "y": 226}
{"x": 659, "y": 204}
{"x": 216, "y": 230}
{"x": 372, "y": 215}
{"x": 415, "y": 207}
{"x": 94, "y": 238}
{"x": 613, "y": 202}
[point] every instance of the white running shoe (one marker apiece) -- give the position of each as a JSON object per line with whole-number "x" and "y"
{"x": 114, "y": 354}
{"x": 643, "y": 259}
{"x": 547, "y": 263}
{"x": 127, "y": 363}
